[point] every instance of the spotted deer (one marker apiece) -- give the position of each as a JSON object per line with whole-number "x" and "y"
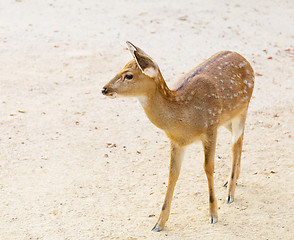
{"x": 215, "y": 93}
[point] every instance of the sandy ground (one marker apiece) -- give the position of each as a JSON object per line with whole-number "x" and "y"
{"x": 77, "y": 165}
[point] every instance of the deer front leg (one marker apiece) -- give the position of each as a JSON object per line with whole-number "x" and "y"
{"x": 174, "y": 172}
{"x": 209, "y": 151}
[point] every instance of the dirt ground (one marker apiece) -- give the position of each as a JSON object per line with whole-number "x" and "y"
{"x": 77, "y": 165}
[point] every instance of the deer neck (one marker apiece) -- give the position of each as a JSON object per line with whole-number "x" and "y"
{"x": 157, "y": 103}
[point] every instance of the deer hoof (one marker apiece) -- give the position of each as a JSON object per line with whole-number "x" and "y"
{"x": 156, "y": 228}
{"x": 229, "y": 199}
{"x": 213, "y": 219}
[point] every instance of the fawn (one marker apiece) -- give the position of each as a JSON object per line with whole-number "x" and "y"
{"x": 215, "y": 93}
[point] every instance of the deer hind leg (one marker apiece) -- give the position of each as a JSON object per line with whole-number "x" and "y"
{"x": 209, "y": 144}
{"x": 228, "y": 126}
{"x": 238, "y": 125}
{"x": 174, "y": 172}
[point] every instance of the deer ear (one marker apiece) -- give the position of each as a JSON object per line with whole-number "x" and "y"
{"x": 146, "y": 64}
{"x": 134, "y": 48}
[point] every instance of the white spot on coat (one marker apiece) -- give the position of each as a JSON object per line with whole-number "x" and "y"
{"x": 242, "y": 64}
{"x": 189, "y": 97}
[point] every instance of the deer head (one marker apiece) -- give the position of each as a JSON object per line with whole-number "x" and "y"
{"x": 136, "y": 78}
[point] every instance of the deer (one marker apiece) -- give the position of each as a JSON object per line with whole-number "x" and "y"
{"x": 215, "y": 93}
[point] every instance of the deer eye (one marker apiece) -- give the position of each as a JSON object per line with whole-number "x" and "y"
{"x": 129, "y": 76}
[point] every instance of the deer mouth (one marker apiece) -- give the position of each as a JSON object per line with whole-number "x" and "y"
{"x": 109, "y": 92}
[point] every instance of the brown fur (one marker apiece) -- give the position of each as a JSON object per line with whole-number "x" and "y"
{"x": 215, "y": 93}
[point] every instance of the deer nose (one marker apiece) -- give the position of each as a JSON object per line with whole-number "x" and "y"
{"x": 104, "y": 90}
